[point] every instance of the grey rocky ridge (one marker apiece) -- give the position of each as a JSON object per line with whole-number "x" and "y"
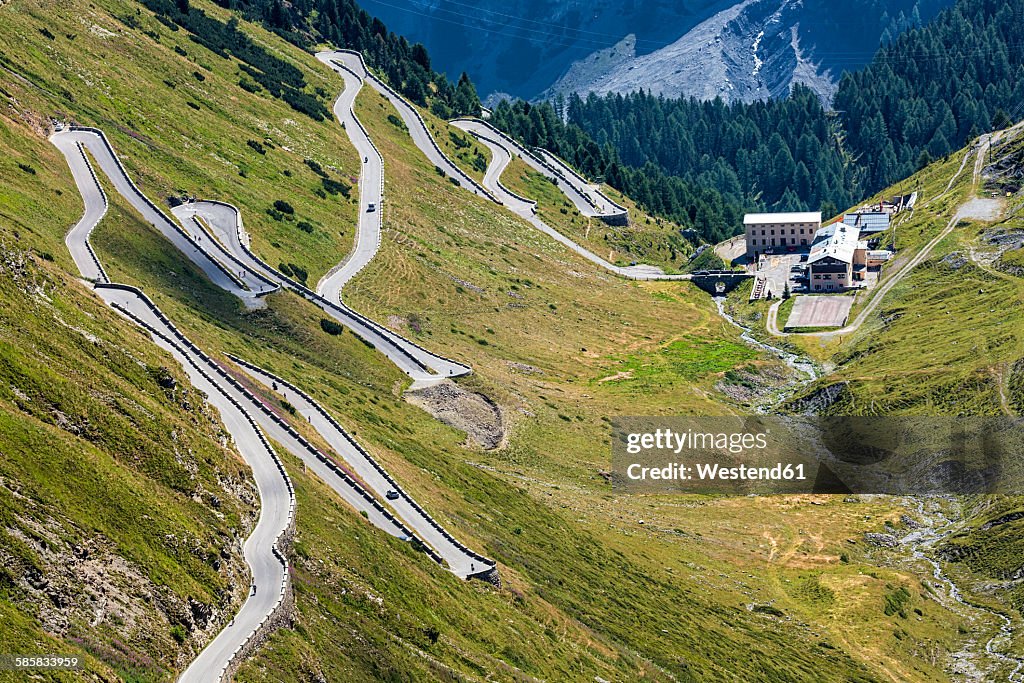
{"x": 753, "y": 50}
{"x": 743, "y": 50}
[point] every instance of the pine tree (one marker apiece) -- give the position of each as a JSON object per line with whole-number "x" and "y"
{"x": 923, "y": 159}
{"x": 466, "y": 101}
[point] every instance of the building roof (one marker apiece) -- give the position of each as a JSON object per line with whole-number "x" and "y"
{"x": 868, "y": 221}
{"x": 840, "y": 241}
{"x": 823, "y": 233}
{"x": 766, "y": 218}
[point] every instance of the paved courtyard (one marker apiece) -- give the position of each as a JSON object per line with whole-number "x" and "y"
{"x": 819, "y": 311}
{"x": 776, "y": 270}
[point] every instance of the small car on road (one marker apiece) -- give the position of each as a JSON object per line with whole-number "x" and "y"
{"x": 392, "y": 494}
{"x": 371, "y": 207}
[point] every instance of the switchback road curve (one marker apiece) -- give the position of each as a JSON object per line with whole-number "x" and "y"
{"x": 277, "y": 500}
{"x": 216, "y": 247}
{"x": 460, "y": 560}
{"x": 503, "y": 149}
{"x": 351, "y": 67}
{"x": 222, "y": 222}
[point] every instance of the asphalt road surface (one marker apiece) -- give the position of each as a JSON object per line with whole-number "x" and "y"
{"x": 458, "y": 558}
{"x": 586, "y": 198}
{"x": 502, "y": 151}
{"x": 277, "y": 501}
{"x": 268, "y": 572}
{"x": 417, "y": 129}
{"x": 243, "y": 414}
{"x": 225, "y": 223}
{"x": 70, "y": 143}
{"x": 371, "y": 186}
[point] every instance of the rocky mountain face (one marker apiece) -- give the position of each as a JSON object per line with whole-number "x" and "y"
{"x": 521, "y": 47}
{"x": 755, "y": 49}
{"x": 744, "y": 50}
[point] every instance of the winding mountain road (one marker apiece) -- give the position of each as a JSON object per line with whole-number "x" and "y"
{"x": 371, "y": 188}
{"x": 346, "y": 62}
{"x": 587, "y": 198}
{"x": 225, "y": 222}
{"x": 277, "y": 500}
{"x": 212, "y": 236}
{"x": 590, "y": 201}
{"x": 503, "y": 149}
{"x": 73, "y": 143}
{"x": 460, "y": 560}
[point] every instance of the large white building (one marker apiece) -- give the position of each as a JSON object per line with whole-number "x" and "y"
{"x": 837, "y": 260}
{"x": 779, "y": 232}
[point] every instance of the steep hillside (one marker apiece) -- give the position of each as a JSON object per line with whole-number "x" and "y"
{"x": 736, "y": 50}
{"x": 930, "y": 91}
{"x": 522, "y": 47}
{"x": 594, "y": 583}
{"x": 946, "y": 338}
{"x": 944, "y": 341}
{"x": 923, "y": 95}
{"x": 123, "y": 503}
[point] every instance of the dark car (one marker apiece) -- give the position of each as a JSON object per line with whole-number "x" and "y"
{"x": 392, "y": 494}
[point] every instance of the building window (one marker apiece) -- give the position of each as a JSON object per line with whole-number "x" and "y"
{"x": 827, "y": 276}
{"x": 773, "y": 232}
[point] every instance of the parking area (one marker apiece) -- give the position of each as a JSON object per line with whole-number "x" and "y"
{"x": 819, "y": 311}
{"x": 778, "y": 270}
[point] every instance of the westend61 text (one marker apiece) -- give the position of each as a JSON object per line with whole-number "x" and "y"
{"x": 715, "y": 472}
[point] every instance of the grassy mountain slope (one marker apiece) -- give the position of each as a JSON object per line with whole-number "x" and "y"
{"x": 703, "y": 589}
{"x": 946, "y": 340}
{"x": 118, "y": 68}
{"x": 646, "y": 239}
{"x": 121, "y": 501}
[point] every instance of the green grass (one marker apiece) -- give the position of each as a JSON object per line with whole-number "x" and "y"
{"x": 994, "y": 551}
{"x": 646, "y": 239}
{"x": 204, "y": 152}
{"x": 587, "y": 591}
{"x": 940, "y": 339}
{"x": 684, "y": 360}
{"x": 786, "y": 309}
{"x": 98, "y": 455}
{"x": 1013, "y": 258}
